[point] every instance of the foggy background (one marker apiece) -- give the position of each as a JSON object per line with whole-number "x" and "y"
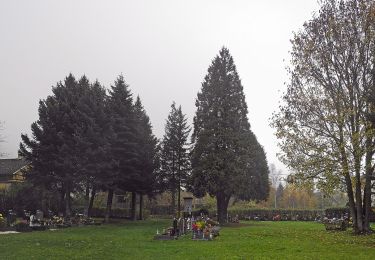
{"x": 163, "y": 49}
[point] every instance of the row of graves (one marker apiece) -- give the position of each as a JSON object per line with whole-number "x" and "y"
{"x": 199, "y": 228}
{"x": 40, "y": 221}
{"x": 337, "y": 222}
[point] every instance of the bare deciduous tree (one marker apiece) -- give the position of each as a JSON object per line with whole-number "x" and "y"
{"x": 322, "y": 123}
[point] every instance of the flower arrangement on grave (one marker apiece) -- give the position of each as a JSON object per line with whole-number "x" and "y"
{"x": 2, "y": 221}
{"x": 56, "y": 221}
{"x": 200, "y": 225}
{"x": 194, "y": 227}
{"x": 88, "y": 221}
{"x": 207, "y": 231}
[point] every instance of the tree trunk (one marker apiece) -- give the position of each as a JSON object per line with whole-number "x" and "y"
{"x": 134, "y": 204}
{"x": 68, "y": 211}
{"x": 348, "y": 182}
{"x": 349, "y": 192}
{"x": 93, "y": 193}
{"x": 109, "y": 206}
{"x": 141, "y": 206}
{"x": 87, "y": 200}
{"x": 44, "y": 201}
{"x": 358, "y": 201}
{"x": 367, "y": 204}
{"x": 222, "y": 207}
{"x": 62, "y": 201}
{"x": 367, "y": 190}
{"x": 179, "y": 187}
{"x": 174, "y": 181}
{"x": 173, "y": 205}
{"x": 179, "y": 200}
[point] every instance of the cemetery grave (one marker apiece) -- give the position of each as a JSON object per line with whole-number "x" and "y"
{"x": 201, "y": 228}
{"x": 39, "y": 221}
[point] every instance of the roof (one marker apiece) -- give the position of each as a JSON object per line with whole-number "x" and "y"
{"x": 10, "y": 166}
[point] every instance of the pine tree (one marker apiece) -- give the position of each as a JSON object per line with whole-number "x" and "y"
{"x": 175, "y": 160}
{"x": 223, "y": 156}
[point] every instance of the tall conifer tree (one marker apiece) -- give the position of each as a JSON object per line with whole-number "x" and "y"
{"x": 175, "y": 161}
{"x": 147, "y": 162}
{"x": 123, "y": 142}
{"x": 222, "y": 159}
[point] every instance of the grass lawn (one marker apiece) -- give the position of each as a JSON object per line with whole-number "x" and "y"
{"x": 127, "y": 240}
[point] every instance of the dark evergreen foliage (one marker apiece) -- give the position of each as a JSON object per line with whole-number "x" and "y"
{"x": 86, "y": 141}
{"x": 146, "y": 151}
{"x": 175, "y": 161}
{"x": 225, "y": 153}
{"x": 59, "y": 150}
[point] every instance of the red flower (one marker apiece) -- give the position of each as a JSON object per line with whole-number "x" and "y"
{"x": 194, "y": 227}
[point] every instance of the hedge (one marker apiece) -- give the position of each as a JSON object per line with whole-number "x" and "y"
{"x": 261, "y": 214}
{"x": 116, "y": 213}
{"x": 268, "y": 214}
{"x": 163, "y": 210}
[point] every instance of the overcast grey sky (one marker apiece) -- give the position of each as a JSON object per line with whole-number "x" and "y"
{"x": 163, "y": 48}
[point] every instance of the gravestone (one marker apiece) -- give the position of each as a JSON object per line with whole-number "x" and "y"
{"x": 39, "y": 215}
{"x": 188, "y": 205}
{"x": 11, "y": 218}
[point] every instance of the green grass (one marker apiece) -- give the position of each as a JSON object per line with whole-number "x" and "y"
{"x": 254, "y": 240}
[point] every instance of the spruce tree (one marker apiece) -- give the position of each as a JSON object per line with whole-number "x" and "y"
{"x": 95, "y": 142}
{"x": 147, "y": 165}
{"x": 175, "y": 161}
{"x": 57, "y": 148}
{"x": 123, "y": 142}
{"x": 222, "y": 156}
